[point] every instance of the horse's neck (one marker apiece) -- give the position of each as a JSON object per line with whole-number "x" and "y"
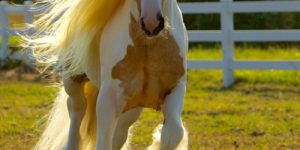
{"x": 168, "y": 10}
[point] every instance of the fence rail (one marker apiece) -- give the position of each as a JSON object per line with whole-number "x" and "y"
{"x": 5, "y": 31}
{"x": 227, "y": 35}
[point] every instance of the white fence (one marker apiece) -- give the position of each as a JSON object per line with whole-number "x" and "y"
{"x": 227, "y": 35}
{"x": 5, "y": 31}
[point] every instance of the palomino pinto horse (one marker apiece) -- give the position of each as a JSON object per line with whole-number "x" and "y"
{"x": 118, "y": 56}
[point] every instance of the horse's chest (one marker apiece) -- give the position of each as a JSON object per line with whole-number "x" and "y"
{"x": 149, "y": 72}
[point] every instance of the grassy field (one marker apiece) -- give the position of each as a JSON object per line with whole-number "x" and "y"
{"x": 261, "y": 111}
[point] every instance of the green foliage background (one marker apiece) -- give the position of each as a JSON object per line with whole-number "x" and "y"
{"x": 242, "y": 21}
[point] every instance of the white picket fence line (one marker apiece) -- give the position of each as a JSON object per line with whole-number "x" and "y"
{"x": 5, "y": 31}
{"x": 227, "y": 35}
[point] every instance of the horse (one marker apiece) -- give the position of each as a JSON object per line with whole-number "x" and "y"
{"x": 116, "y": 57}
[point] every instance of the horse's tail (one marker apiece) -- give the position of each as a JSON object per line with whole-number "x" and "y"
{"x": 183, "y": 145}
{"x": 88, "y": 124}
{"x": 56, "y": 132}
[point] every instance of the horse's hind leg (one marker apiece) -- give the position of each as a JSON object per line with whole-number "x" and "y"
{"x": 174, "y": 136}
{"x": 76, "y": 108}
{"x": 121, "y": 131}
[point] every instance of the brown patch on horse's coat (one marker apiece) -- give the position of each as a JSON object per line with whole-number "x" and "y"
{"x": 151, "y": 68}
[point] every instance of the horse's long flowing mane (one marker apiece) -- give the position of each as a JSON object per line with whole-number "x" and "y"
{"x": 70, "y": 32}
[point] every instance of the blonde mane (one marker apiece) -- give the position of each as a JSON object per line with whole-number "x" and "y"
{"x": 70, "y": 33}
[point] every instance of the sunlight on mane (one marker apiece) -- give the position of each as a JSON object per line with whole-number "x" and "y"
{"x": 71, "y": 31}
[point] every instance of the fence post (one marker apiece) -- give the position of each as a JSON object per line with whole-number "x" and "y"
{"x": 29, "y": 20}
{"x": 4, "y": 32}
{"x": 227, "y": 26}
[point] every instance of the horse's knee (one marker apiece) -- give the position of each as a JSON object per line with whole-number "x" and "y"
{"x": 76, "y": 101}
{"x": 129, "y": 117}
{"x": 76, "y": 107}
{"x": 73, "y": 88}
{"x": 172, "y": 134}
{"x": 76, "y": 104}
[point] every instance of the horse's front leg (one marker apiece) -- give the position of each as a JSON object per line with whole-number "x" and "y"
{"x": 174, "y": 135}
{"x": 108, "y": 109}
{"x": 123, "y": 125}
{"x": 76, "y": 108}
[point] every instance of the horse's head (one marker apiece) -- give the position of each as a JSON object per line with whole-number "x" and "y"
{"x": 152, "y": 19}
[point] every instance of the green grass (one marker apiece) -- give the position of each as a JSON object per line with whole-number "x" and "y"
{"x": 249, "y": 53}
{"x": 13, "y": 41}
{"x": 261, "y": 111}
{"x": 22, "y": 104}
